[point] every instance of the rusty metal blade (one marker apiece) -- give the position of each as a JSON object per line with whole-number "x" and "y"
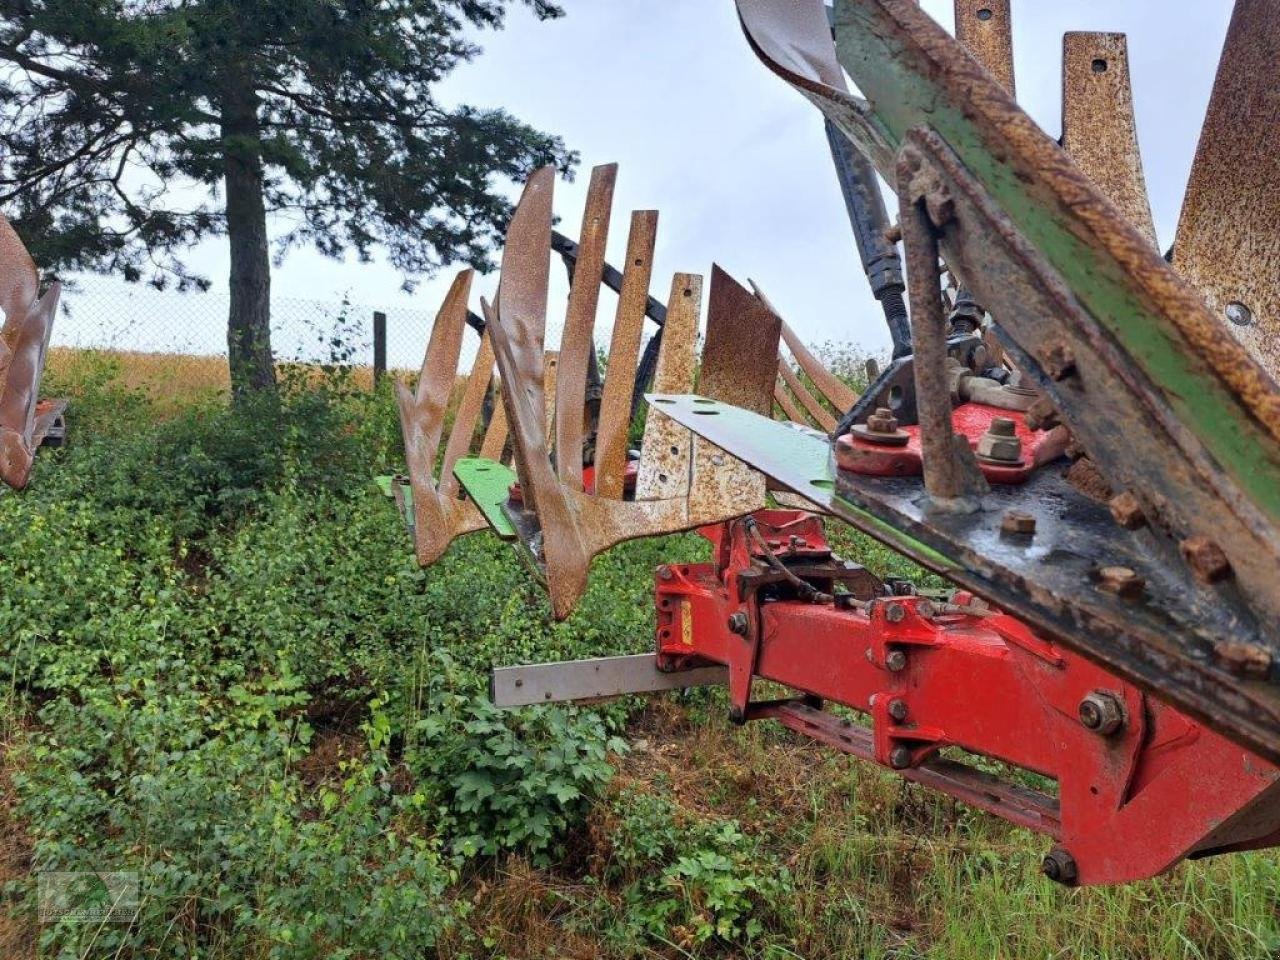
{"x": 495, "y": 435}
{"x": 19, "y": 281}
{"x": 1228, "y": 243}
{"x": 576, "y": 343}
{"x": 1098, "y": 125}
{"x": 821, "y": 416}
{"x": 438, "y": 515}
{"x": 985, "y": 27}
{"x": 468, "y": 413}
{"x": 665, "y": 450}
{"x": 624, "y": 352}
{"x": 740, "y": 357}
{"x": 20, "y": 391}
{"x": 793, "y": 39}
{"x": 838, "y": 393}
{"x": 422, "y": 413}
{"x": 788, "y": 405}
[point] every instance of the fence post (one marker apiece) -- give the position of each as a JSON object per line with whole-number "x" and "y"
{"x": 379, "y": 345}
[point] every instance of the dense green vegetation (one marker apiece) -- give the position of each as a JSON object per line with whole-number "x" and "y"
{"x": 223, "y": 670}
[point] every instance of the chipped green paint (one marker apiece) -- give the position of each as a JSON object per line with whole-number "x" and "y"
{"x": 488, "y": 483}
{"x": 903, "y": 97}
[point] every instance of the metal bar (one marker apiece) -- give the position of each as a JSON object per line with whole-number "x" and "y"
{"x": 985, "y": 28}
{"x": 1227, "y": 242}
{"x": 609, "y": 276}
{"x": 666, "y": 448}
{"x": 821, "y": 416}
{"x": 576, "y": 341}
{"x": 1098, "y": 125}
{"x": 379, "y": 346}
{"x": 593, "y": 679}
{"x": 624, "y": 349}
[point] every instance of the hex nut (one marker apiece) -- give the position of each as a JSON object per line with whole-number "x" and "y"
{"x": 1000, "y": 444}
{"x": 898, "y": 709}
{"x": 900, "y": 758}
{"x": 1127, "y": 511}
{"x": 1059, "y": 361}
{"x": 895, "y": 612}
{"x": 1102, "y": 712}
{"x": 1206, "y": 559}
{"x": 1018, "y": 522}
{"x": 895, "y": 661}
{"x": 1121, "y": 581}
{"x": 1060, "y": 867}
{"x": 1248, "y": 659}
{"x": 738, "y": 623}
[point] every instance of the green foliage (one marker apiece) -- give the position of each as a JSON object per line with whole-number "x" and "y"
{"x": 705, "y": 877}
{"x": 343, "y": 131}
{"x": 508, "y": 782}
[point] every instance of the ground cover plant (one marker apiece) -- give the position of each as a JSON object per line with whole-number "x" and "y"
{"x": 222, "y": 671}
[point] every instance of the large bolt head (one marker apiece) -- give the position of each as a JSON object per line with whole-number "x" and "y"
{"x": 1121, "y": 581}
{"x": 898, "y": 710}
{"x": 1060, "y": 867}
{"x": 895, "y": 661}
{"x": 900, "y": 758}
{"x": 1102, "y": 712}
{"x": 738, "y": 623}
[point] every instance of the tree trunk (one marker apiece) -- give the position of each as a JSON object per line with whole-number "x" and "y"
{"x": 249, "y": 322}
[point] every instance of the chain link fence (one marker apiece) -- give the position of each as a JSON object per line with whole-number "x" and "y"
{"x": 181, "y": 337}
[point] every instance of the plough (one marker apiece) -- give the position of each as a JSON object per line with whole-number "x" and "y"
{"x": 1081, "y": 435}
{"x": 26, "y": 421}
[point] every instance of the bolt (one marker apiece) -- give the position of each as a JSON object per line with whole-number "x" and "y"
{"x": 1060, "y": 867}
{"x": 1206, "y": 559}
{"x": 895, "y": 612}
{"x": 664, "y": 572}
{"x": 925, "y": 609}
{"x": 898, "y": 709}
{"x": 1102, "y": 712}
{"x": 881, "y": 428}
{"x": 738, "y": 623}
{"x": 1127, "y": 511}
{"x": 1059, "y": 361}
{"x": 900, "y": 758}
{"x": 895, "y": 661}
{"x": 893, "y": 233}
{"x": 1018, "y": 522}
{"x": 1239, "y": 314}
{"x": 1000, "y": 444}
{"x": 1244, "y": 658}
{"x": 1121, "y": 581}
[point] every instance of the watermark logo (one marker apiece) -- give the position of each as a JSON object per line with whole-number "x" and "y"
{"x": 88, "y": 896}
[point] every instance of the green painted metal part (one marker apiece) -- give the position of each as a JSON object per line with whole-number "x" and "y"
{"x": 797, "y": 459}
{"x": 905, "y": 91}
{"x": 488, "y": 484}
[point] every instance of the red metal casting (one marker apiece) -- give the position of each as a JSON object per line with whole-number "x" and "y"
{"x": 1139, "y": 786}
{"x": 971, "y": 419}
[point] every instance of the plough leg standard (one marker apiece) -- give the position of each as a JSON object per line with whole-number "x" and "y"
{"x": 1090, "y": 456}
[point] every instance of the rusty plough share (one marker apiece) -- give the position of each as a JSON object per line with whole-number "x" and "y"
{"x": 1082, "y": 436}
{"x": 25, "y": 419}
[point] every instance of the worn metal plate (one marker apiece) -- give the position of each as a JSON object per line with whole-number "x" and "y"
{"x": 1228, "y": 240}
{"x": 488, "y": 484}
{"x": 985, "y": 27}
{"x": 666, "y": 449}
{"x": 576, "y": 340}
{"x": 624, "y": 354}
{"x": 1162, "y": 640}
{"x": 593, "y": 679}
{"x": 1098, "y": 125}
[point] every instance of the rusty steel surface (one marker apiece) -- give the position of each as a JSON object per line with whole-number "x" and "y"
{"x": 985, "y": 27}
{"x": 468, "y": 413}
{"x": 1228, "y": 239}
{"x": 624, "y": 354}
{"x": 576, "y": 341}
{"x": 563, "y": 528}
{"x": 819, "y": 414}
{"x": 784, "y": 400}
{"x": 666, "y": 448}
{"x": 494, "y": 441}
{"x": 24, "y": 342}
{"x": 439, "y": 516}
{"x": 1098, "y": 125}
{"x": 737, "y": 366}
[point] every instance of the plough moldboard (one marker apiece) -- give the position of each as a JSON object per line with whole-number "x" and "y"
{"x": 26, "y": 421}
{"x": 1081, "y": 435}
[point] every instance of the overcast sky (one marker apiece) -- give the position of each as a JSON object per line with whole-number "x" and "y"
{"x": 737, "y": 162}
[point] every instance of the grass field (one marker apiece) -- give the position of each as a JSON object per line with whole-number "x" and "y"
{"x": 222, "y": 674}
